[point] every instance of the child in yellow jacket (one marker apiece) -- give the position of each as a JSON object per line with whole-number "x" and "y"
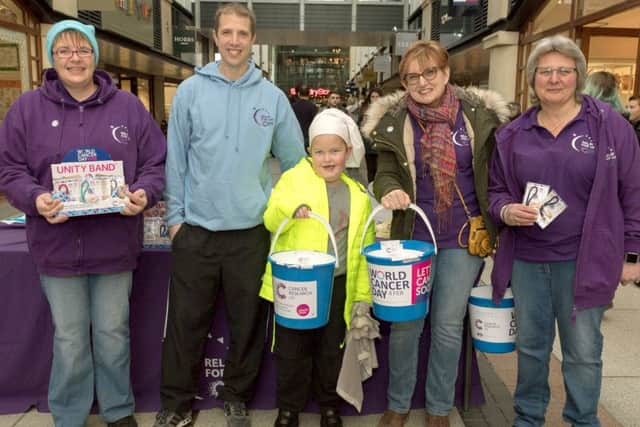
{"x": 309, "y": 360}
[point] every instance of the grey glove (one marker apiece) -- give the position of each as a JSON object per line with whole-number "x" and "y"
{"x": 362, "y": 324}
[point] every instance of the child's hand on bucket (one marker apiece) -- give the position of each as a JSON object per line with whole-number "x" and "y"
{"x": 302, "y": 212}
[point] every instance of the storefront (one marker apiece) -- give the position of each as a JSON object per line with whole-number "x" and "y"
{"x": 20, "y": 61}
{"x": 125, "y": 40}
{"x": 606, "y": 30}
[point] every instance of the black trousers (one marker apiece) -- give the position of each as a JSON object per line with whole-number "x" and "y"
{"x": 310, "y": 360}
{"x": 203, "y": 263}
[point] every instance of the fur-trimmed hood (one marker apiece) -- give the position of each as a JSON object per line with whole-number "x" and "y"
{"x": 396, "y": 102}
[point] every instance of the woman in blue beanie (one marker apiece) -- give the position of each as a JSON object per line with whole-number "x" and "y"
{"x": 85, "y": 262}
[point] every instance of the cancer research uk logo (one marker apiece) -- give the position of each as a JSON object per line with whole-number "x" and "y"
{"x": 460, "y": 138}
{"x": 120, "y": 133}
{"x": 213, "y": 372}
{"x": 262, "y": 117}
{"x": 211, "y": 381}
{"x": 583, "y": 144}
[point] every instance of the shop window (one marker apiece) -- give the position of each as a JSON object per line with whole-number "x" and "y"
{"x": 125, "y": 84}
{"x": 144, "y": 92}
{"x": 616, "y": 55}
{"x": 10, "y": 12}
{"x": 14, "y": 71}
{"x": 169, "y": 93}
{"x": 587, "y": 7}
{"x": 555, "y": 13}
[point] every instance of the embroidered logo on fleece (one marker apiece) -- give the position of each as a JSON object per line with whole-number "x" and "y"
{"x": 262, "y": 117}
{"x": 460, "y": 138}
{"x": 583, "y": 144}
{"x": 120, "y": 134}
{"x": 611, "y": 155}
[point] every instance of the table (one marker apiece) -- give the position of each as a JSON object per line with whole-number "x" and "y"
{"x": 26, "y": 337}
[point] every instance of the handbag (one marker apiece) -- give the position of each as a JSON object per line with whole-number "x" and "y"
{"x": 479, "y": 243}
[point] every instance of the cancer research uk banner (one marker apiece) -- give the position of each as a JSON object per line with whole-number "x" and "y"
{"x": 89, "y": 188}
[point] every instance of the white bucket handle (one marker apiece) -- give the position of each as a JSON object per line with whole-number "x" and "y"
{"x": 316, "y": 217}
{"x": 413, "y": 206}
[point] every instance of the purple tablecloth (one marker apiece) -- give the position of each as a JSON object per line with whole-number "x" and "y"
{"x": 26, "y": 336}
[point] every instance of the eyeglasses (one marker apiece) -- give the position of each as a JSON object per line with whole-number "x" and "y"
{"x": 65, "y": 52}
{"x": 548, "y": 71}
{"x": 428, "y": 74}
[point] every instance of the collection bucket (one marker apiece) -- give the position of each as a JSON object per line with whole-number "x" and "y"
{"x": 399, "y": 274}
{"x": 302, "y": 283}
{"x": 493, "y": 327}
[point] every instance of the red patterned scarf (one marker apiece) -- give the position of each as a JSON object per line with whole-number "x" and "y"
{"x": 437, "y": 148}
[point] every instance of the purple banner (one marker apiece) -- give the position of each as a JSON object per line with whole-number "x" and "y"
{"x": 26, "y": 337}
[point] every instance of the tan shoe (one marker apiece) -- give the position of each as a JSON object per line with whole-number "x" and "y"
{"x": 392, "y": 419}
{"x": 437, "y": 420}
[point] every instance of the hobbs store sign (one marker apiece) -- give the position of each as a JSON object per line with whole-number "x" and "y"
{"x": 183, "y": 42}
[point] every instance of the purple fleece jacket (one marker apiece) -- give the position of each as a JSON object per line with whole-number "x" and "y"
{"x": 45, "y": 124}
{"x": 612, "y": 219}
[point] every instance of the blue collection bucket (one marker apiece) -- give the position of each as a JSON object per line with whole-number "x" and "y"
{"x": 399, "y": 274}
{"x": 493, "y": 327}
{"x": 302, "y": 283}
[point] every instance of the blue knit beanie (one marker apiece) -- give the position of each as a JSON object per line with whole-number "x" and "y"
{"x": 70, "y": 24}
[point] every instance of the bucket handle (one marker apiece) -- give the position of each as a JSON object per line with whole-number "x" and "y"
{"x": 413, "y": 206}
{"x": 316, "y": 217}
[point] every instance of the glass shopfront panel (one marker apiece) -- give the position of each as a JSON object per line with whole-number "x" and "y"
{"x": 555, "y": 13}
{"x": 10, "y": 12}
{"x": 169, "y": 93}
{"x": 144, "y": 92}
{"x": 587, "y": 7}
{"x": 616, "y": 55}
{"x": 14, "y": 72}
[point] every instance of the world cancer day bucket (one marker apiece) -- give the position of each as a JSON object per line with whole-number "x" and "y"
{"x": 493, "y": 327}
{"x": 399, "y": 272}
{"x": 302, "y": 282}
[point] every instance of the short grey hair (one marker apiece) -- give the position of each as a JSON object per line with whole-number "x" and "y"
{"x": 564, "y": 46}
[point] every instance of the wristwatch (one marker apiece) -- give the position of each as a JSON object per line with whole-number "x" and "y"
{"x": 632, "y": 257}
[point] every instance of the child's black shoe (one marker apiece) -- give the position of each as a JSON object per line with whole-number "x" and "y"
{"x": 286, "y": 419}
{"x": 329, "y": 417}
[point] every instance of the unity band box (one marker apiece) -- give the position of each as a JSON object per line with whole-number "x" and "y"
{"x": 89, "y": 188}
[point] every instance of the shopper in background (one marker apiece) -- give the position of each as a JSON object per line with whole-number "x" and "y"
{"x": 86, "y": 262}
{"x": 566, "y": 273}
{"x": 371, "y": 157}
{"x": 634, "y": 114}
{"x": 429, "y": 139}
{"x": 305, "y": 110}
{"x": 603, "y": 85}
{"x": 334, "y": 100}
{"x": 225, "y": 122}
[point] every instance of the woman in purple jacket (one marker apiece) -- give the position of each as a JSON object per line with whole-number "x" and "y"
{"x": 85, "y": 263}
{"x": 564, "y": 266}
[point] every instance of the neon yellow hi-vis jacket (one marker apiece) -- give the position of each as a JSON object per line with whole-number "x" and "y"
{"x": 300, "y": 185}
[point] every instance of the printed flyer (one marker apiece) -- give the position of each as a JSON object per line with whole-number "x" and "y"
{"x": 89, "y": 188}
{"x": 156, "y": 231}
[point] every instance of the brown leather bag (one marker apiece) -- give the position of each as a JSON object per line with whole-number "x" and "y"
{"x": 479, "y": 242}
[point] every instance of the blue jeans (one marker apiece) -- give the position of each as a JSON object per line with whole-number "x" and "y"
{"x": 83, "y": 305}
{"x": 543, "y": 294}
{"x": 453, "y": 274}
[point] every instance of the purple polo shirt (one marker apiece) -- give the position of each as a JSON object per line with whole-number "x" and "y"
{"x": 447, "y": 235}
{"x": 566, "y": 163}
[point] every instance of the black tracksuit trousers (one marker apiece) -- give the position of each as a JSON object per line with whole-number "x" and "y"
{"x": 203, "y": 263}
